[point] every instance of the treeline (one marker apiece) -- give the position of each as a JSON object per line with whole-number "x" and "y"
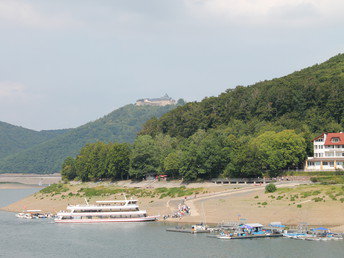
{"x": 204, "y": 155}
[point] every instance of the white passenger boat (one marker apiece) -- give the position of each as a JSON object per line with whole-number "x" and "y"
{"x": 104, "y": 211}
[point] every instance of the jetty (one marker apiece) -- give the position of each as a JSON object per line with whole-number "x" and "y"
{"x": 198, "y": 228}
{"x": 250, "y": 236}
{"x": 187, "y": 230}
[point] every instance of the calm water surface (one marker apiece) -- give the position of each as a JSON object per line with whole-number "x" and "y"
{"x": 43, "y": 238}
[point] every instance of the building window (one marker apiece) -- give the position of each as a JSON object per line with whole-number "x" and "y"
{"x": 317, "y": 163}
{"x": 335, "y": 139}
{"x": 325, "y": 163}
{"x": 331, "y": 164}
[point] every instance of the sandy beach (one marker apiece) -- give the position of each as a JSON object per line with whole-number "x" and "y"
{"x": 217, "y": 203}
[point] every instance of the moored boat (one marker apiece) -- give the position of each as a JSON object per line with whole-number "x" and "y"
{"x": 31, "y": 214}
{"x": 104, "y": 211}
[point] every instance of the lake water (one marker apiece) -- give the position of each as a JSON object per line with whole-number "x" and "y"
{"x": 43, "y": 238}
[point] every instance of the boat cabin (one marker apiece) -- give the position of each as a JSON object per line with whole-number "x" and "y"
{"x": 253, "y": 228}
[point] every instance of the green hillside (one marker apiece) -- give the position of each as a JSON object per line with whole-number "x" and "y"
{"x": 253, "y": 131}
{"x": 308, "y": 100}
{"x": 15, "y": 138}
{"x": 120, "y": 125}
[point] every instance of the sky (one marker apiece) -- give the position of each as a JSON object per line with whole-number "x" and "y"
{"x": 65, "y": 63}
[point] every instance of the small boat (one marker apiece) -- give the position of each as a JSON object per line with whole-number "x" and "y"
{"x": 29, "y": 214}
{"x": 200, "y": 228}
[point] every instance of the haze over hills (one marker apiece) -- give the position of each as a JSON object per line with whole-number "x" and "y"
{"x": 28, "y": 151}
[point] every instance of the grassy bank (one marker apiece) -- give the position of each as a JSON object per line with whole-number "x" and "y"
{"x": 68, "y": 191}
{"x": 314, "y": 193}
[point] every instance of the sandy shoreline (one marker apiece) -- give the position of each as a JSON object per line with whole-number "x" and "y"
{"x": 30, "y": 179}
{"x": 17, "y": 186}
{"x": 219, "y": 204}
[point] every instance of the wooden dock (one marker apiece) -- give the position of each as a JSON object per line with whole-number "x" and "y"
{"x": 187, "y": 230}
{"x": 250, "y": 236}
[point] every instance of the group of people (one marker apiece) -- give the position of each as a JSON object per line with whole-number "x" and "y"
{"x": 183, "y": 210}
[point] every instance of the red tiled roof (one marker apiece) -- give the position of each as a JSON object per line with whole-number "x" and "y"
{"x": 330, "y": 136}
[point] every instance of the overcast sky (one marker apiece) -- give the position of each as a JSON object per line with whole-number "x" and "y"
{"x": 64, "y": 63}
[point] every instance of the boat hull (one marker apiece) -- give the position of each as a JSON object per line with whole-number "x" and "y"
{"x": 143, "y": 219}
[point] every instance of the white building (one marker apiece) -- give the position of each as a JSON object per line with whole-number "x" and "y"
{"x": 328, "y": 153}
{"x": 163, "y": 101}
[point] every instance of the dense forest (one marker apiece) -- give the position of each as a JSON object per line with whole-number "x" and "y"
{"x": 48, "y": 155}
{"x": 258, "y": 130}
{"x": 15, "y": 138}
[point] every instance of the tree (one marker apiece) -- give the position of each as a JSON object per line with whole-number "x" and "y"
{"x": 173, "y": 163}
{"x": 277, "y": 151}
{"x": 118, "y": 161}
{"x": 270, "y": 188}
{"x": 243, "y": 159}
{"x": 144, "y": 158}
{"x": 68, "y": 171}
{"x": 205, "y": 155}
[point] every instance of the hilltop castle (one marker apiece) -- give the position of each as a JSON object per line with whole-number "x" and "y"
{"x": 163, "y": 101}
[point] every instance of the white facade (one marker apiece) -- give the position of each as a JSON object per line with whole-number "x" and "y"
{"x": 163, "y": 101}
{"x": 328, "y": 153}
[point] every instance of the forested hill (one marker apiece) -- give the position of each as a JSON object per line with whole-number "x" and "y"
{"x": 254, "y": 131}
{"x": 120, "y": 125}
{"x": 15, "y": 138}
{"x": 309, "y": 100}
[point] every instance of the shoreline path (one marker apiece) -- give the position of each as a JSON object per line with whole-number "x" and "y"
{"x": 190, "y": 201}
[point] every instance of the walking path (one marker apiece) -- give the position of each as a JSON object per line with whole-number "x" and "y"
{"x": 191, "y": 201}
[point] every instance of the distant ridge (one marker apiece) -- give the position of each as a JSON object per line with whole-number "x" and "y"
{"x": 28, "y": 151}
{"x": 16, "y": 138}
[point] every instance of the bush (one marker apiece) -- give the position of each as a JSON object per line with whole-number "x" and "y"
{"x": 54, "y": 189}
{"x": 270, "y": 188}
{"x": 314, "y": 179}
{"x": 299, "y": 206}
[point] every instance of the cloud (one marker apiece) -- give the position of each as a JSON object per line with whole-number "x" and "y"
{"x": 287, "y": 12}
{"x": 14, "y": 92}
{"x": 10, "y": 89}
{"x": 22, "y": 13}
